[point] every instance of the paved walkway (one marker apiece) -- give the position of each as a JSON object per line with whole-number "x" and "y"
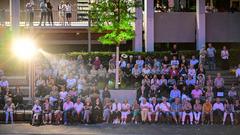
{"x": 109, "y": 129}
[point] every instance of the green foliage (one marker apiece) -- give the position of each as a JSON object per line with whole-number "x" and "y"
{"x": 115, "y": 19}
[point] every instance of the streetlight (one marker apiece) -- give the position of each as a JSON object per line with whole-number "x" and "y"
{"x": 25, "y": 48}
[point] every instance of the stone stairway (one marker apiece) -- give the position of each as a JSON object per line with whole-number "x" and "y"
{"x": 20, "y": 81}
{"x": 229, "y": 78}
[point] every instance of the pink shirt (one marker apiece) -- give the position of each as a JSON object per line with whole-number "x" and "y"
{"x": 196, "y": 93}
{"x": 67, "y": 105}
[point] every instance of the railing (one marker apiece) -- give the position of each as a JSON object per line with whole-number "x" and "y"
{"x": 76, "y": 19}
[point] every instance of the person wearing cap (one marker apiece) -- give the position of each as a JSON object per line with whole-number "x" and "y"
{"x": 165, "y": 109}
{"x": 67, "y": 108}
{"x": 122, "y": 63}
{"x": 187, "y": 110}
{"x": 37, "y": 110}
{"x": 9, "y": 108}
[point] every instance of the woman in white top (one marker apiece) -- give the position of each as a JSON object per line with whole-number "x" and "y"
{"x": 225, "y": 58}
{"x": 125, "y": 111}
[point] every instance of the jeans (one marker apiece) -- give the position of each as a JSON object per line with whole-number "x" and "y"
{"x": 7, "y": 116}
{"x": 65, "y": 115}
{"x": 211, "y": 63}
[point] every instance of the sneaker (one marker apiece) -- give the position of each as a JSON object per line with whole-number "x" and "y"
{"x": 232, "y": 123}
{"x": 136, "y": 122}
{"x": 191, "y": 123}
{"x": 124, "y": 123}
{"x": 65, "y": 123}
{"x": 182, "y": 123}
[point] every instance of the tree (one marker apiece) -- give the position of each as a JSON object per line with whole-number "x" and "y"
{"x": 114, "y": 19}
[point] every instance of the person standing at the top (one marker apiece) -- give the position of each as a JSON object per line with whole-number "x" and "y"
{"x": 49, "y": 12}
{"x": 30, "y": 12}
{"x": 43, "y": 8}
{"x": 211, "y": 52}
{"x": 68, "y": 13}
{"x": 225, "y": 58}
{"x": 61, "y": 11}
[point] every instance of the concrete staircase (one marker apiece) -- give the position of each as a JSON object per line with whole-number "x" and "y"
{"x": 229, "y": 78}
{"x": 20, "y": 81}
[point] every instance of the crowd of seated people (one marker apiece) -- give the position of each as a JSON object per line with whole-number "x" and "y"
{"x": 176, "y": 88}
{"x": 177, "y": 110}
{"x": 171, "y": 87}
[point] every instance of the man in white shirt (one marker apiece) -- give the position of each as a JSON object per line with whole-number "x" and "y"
{"x": 218, "y": 108}
{"x": 116, "y": 111}
{"x": 78, "y": 109}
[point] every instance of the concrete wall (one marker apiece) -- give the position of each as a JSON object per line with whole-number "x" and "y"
{"x": 223, "y": 27}
{"x": 174, "y": 27}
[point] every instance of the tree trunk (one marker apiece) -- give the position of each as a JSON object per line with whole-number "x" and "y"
{"x": 117, "y": 68}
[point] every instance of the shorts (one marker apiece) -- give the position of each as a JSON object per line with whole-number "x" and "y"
{"x": 68, "y": 15}
{"x": 124, "y": 114}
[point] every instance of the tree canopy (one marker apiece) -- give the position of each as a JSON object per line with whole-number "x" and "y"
{"x": 115, "y": 19}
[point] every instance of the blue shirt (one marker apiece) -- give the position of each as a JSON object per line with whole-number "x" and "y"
{"x": 176, "y": 107}
{"x": 175, "y": 93}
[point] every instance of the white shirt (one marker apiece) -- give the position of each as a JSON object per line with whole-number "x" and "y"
{"x": 37, "y": 108}
{"x": 63, "y": 95}
{"x": 116, "y": 107}
{"x": 218, "y": 106}
{"x": 67, "y": 106}
{"x": 71, "y": 82}
{"x": 145, "y": 106}
{"x": 68, "y": 8}
{"x": 125, "y": 107}
{"x": 165, "y": 107}
{"x": 78, "y": 107}
{"x": 238, "y": 72}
